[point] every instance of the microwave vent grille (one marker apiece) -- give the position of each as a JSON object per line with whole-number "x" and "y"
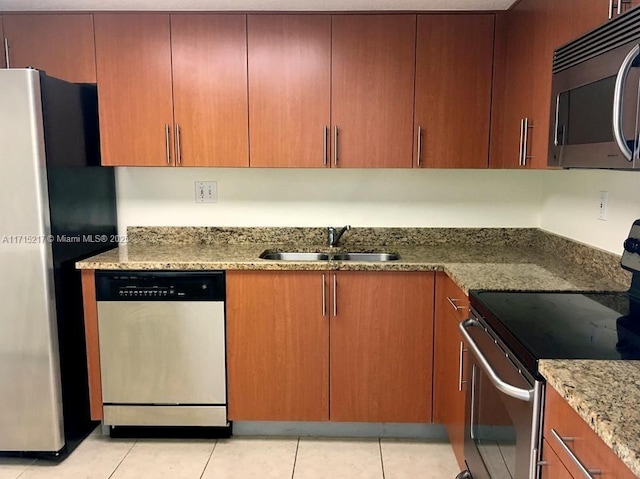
{"x": 613, "y": 34}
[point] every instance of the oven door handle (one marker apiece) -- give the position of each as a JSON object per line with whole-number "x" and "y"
{"x": 508, "y": 389}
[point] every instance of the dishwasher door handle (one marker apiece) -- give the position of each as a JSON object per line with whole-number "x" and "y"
{"x": 502, "y": 386}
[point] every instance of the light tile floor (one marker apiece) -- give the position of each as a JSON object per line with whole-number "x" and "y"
{"x": 100, "y": 457}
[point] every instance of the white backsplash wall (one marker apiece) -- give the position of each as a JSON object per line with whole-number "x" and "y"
{"x": 570, "y": 205}
{"x": 297, "y": 197}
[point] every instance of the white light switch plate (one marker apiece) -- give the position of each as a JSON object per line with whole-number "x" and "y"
{"x": 603, "y": 205}
{"x": 206, "y": 191}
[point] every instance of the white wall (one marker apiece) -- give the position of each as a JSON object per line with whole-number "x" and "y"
{"x": 570, "y": 204}
{"x": 280, "y": 197}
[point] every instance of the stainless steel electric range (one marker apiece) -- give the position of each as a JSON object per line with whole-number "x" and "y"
{"x": 507, "y": 334}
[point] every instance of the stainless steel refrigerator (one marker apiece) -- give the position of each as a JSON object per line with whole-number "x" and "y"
{"x": 57, "y": 205}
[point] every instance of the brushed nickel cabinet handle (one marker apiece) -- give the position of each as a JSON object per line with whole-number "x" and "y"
{"x": 562, "y": 441}
{"x": 335, "y": 296}
{"x": 324, "y": 296}
{"x": 178, "y": 153}
{"x": 610, "y": 9}
{"x": 325, "y": 146}
{"x": 6, "y": 52}
{"x": 452, "y": 302}
{"x": 335, "y": 145}
{"x": 166, "y": 143}
{"x": 520, "y": 154}
{"x": 619, "y": 7}
{"x": 419, "y": 146}
{"x": 525, "y": 142}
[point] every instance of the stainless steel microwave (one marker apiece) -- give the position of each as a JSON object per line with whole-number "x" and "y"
{"x": 595, "y": 98}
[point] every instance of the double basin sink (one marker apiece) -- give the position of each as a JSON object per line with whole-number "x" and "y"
{"x": 306, "y": 256}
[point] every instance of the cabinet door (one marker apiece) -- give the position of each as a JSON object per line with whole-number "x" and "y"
{"x": 289, "y": 89}
{"x": 133, "y": 55}
{"x": 209, "y": 54}
{"x": 552, "y": 467}
{"x": 61, "y": 45}
{"x": 513, "y": 83}
{"x": 277, "y": 346}
{"x": 3, "y": 60}
{"x": 373, "y": 74}
{"x": 381, "y": 346}
{"x": 453, "y": 90}
{"x": 449, "y": 390}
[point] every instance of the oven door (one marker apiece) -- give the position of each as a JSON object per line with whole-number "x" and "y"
{"x": 502, "y": 430}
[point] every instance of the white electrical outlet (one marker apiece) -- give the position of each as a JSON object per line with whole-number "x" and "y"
{"x": 206, "y": 192}
{"x": 603, "y": 203}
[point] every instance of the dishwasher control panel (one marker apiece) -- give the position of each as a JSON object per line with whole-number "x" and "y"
{"x": 160, "y": 286}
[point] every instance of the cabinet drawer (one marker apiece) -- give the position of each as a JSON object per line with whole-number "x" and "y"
{"x": 562, "y": 423}
{"x": 552, "y": 467}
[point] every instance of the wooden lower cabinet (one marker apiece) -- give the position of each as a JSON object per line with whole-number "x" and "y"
{"x": 369, "y": 343}
{"x": 277, "y": 346}
{"x": 381, "y": 346}
{"x": 449, "y": 373}
{"x": 90, "y": 307}
{"x": 582, "y": 441}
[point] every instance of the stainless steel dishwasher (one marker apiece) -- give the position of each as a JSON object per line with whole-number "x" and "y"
{"x": 162, "y": 348}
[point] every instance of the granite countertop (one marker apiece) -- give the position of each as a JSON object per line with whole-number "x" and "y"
{"x": 605, "y": 394}
{"x": 475, "y": 258}
{"x": 485, "y": 267}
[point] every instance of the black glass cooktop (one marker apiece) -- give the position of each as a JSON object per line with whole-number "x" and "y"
{"x": 540, "y": 325}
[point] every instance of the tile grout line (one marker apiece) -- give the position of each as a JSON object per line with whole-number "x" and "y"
{"x": 295, "y": 458}
{"x": 26, "y": 468}
{"x": 381, "y": 458}
{"x": 215, "y": 444}
{"x": 122, "y": 460}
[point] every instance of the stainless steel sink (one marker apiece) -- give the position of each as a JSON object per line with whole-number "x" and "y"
{"x": 306, "y": 256}
{"x": 294, "y": 256}
{"x": 365, "y": 257}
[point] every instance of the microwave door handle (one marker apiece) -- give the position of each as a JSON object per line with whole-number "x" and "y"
{"x": 555, "y": 128}
{"x": 508, "y": 389}
{"x": 618, "y": 94}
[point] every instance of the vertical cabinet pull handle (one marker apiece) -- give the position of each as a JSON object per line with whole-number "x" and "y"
{"x": 525, "y": 141}
{"x": 419, "y": 146}
{"x": 6, "y": 52}
{"x": 610, "y": 9}
{"x": 460, "y": 372}
{"x": 178, "y": 153}
{"x": 166, "y": 143}
{"x": 335, "y": 296}
{"x": 520, "y": 154}
{"x": 335, "y": 146}
{"x": 324, "y": 295}
{"x": 325, "y": 146}
{"x": 562, "y": 441}
{"x": 619, "y": 7}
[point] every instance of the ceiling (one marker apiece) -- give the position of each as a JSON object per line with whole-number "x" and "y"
{"x": 252, "y": 5}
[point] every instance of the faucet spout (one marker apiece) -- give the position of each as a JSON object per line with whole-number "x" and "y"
{"x": 334, "y": 235}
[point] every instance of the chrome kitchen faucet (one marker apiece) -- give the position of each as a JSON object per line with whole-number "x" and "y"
{"x": 333, "y": 235}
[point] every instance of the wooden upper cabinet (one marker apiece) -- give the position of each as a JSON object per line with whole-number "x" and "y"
{"x": 373, "y": 74}
{"x": 62, "y": 45}
{"x": 133, "y": 54}
{"x": 277, "y": 346}
{"x": 453, "y": 90}
{"x": 289, "y": 90}
{"x": 513, "y": 85}
{"x": 381, "y": 346}
{"x": 209, "y": 55}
